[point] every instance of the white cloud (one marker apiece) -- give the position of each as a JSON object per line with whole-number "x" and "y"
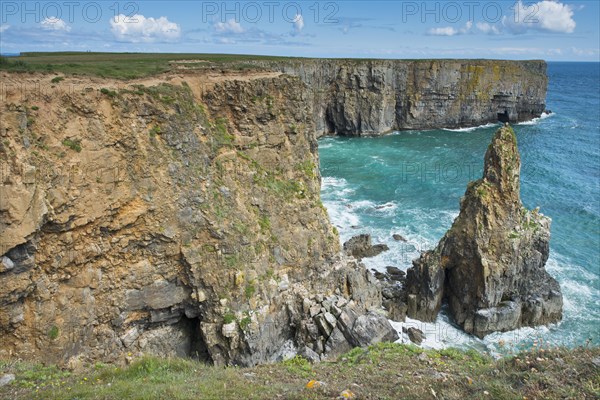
{"x": 298, "y": 23}
{"x": 585, "y": 52}
{"x": 488, "y": 28}
{"x": 231, "y": 26}
{"x": 451, "y": 31}
{"x": 138, "y": 28}
{"x": 446, "y": 31}
{"x": 546, "y": 15}
{"x": 55, "y": 24}
{"x": 4, "y": 27}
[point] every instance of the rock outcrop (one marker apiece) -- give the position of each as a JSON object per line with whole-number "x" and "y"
{"x": 371, "y": 97}
{"x": 360, "y": 247}
{"x": 174, "y": 216}
{"x": 490, "y": 264}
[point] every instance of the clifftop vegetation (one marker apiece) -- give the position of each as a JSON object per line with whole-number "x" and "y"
{"x": 384, "y": 371}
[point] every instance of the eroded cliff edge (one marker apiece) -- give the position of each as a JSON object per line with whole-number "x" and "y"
{"x": 371, "y": 97}
{"x": 175, "y": 216}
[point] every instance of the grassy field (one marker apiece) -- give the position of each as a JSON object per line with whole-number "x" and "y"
{"x": 138, "y": 65}
{"x": 121, "y": 65}
{"x": 385, "y": 371}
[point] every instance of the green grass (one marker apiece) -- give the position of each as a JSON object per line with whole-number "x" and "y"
{"x": 250, "y": 290}
{"x": 72, "y": 144}
{"x": 265, "y": 223}
{"x": 53, "y": 332}
{"x": 137, "y": 65}
{"x": 120, "y": 65}
{"x": 109, "y": 93}
{"x": 228, "y": 318}
{"x": 155, "y": 130}
{"x": 221, "y": 137}
{"x": 384, "y": 371}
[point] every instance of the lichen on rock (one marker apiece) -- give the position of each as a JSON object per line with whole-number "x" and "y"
{"x": 489, "y": 266}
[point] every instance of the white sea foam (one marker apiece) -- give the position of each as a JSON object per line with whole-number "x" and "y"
{"x": 471, "y": 128}
{"x": 438, "y": 335}
{"x": 362, "y": 204}
{"x": 536, "y": 120}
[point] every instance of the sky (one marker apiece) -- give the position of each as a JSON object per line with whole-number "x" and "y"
{"x": 554, "y": 30}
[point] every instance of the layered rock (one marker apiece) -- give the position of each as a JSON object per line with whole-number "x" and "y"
{"x": 180, "y": 215}
{"x": 180, "y": 218}
{"x": 371, "y": 97}
{"x": 490, "y": 264}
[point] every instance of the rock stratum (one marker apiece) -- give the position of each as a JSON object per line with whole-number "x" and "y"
{"x": 372, "y": 97}
{"x": 489, "y": 266}
{"x": 181, "y": 214}
{"x": 177, "y": 218}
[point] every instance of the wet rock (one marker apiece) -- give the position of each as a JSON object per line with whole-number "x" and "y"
{"x": 380, "y": 275}
{"x": 395, "y": 274}
{"x": 414, "y": 334}
{"x": 490, "y": 264}
{"x": 398, "y": 237}
{"x": 360, "y": 247}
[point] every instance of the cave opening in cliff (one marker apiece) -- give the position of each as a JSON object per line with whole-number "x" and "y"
{"x": 503, "y": 117}
{"x": 329, "y": 123}
{"x": 197, "y": 349}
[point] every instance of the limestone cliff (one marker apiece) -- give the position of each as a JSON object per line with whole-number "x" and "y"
{"x": 175, "y": 215}
{"x": 371, "y": 97}
{"x": 180, "y": 214}
{"x": 490, "y": 264}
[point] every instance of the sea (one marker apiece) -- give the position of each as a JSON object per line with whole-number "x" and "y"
{"x": 410, "y": 183}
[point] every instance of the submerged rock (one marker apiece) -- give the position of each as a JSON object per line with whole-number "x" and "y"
{"x": 399, "y": 238}
{"x": 490, "y": 264}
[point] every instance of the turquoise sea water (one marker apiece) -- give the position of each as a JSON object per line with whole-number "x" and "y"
{"x": 411, "y": 182}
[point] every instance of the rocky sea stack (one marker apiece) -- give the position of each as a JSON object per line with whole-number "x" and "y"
{"x": 489, "y": 266}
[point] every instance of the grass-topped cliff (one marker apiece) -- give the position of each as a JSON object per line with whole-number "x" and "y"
{"x": 352, "y": 97}
{"x": 137, "y": 65}
{"x": 384, "y": 371}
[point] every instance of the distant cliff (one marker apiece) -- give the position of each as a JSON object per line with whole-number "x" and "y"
{"x": 372, "y": 97}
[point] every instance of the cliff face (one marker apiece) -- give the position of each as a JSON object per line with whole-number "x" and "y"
{"x": 490, "y": 264}
{"x": 371, "y": 97}
{"x": 181, "y": 214}
{"x": 171, "y": 218}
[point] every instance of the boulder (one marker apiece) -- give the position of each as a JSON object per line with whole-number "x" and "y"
{"x": 398, "y": 237}
{"x": 373, "y": 328}
{"x": 6, "y": 379}
{"x": 360, "y": 247}
{"x": 414, "y": 334}
{"x": 490, "y": 265}
{"x": 395, "y": 273}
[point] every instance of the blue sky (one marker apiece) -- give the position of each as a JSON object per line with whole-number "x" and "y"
{"x": 516, "y": 29}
